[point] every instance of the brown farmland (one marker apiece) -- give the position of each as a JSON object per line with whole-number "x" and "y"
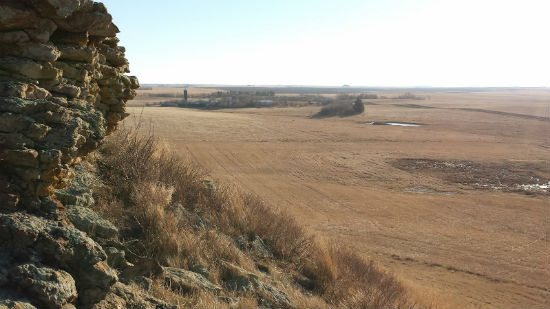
{"x": 442, "y": 205}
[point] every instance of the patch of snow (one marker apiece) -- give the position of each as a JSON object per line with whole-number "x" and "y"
{"x": 394, "y": 123}
{"x": 403, "y": 124}
{"x": 535, "y": 186}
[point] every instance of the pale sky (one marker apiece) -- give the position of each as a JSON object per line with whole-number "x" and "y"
{"x": 355, "y": 42}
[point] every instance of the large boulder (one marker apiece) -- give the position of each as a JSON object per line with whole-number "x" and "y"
{"x": 53, "y": 288}
{"x": 116, "y": 258}
{"x": 87, "y": 220}
{"x": 32, "y": 239}
{"x": 187, "y": 281}
{"x": 269, "y": 294}
{"x": 25, "y": 235}
{"x": 9, "y": 300}
{"x": 121, "y": 296}
{"x": 143, "y": 268}
{"x": 243, "y": 281}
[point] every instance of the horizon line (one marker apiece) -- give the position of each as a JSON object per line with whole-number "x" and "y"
{"x": 342, "y": 86}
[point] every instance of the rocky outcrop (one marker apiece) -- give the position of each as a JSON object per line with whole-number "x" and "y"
{"x": 241, "y": 280}
{"x": 53, "y": 288}
{"x": 63, "y": 89}
{"x": 90, "y": 222}
{"x": 79, "y": 193}
{"x": 187, "y": 281}
{"x": 10, "y": 301}
{"x": 121, "y": 296}
{"x": 26, "y": 240}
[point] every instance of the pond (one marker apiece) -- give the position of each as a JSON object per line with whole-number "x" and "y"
{"x": 394, "y": 123}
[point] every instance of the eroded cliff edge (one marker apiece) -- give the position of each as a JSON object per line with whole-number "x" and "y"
{"x": 63, "y": 88}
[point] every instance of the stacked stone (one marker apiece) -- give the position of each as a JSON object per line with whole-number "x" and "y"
{"x": 62, "y": 90}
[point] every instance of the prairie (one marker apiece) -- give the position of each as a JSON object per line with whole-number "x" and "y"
{"x": 457, "y": 208}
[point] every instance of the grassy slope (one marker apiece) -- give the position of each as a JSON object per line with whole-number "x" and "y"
{"x": 145, "y": 183}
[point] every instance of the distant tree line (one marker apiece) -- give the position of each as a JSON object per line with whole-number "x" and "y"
{"x": 341, "y": 109}
{"x": 409, "y": 96}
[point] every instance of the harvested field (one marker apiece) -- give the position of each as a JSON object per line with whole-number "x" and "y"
{"x": 434, "y": 204}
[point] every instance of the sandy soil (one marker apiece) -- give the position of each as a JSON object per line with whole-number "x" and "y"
{"x": 454, "y": 243}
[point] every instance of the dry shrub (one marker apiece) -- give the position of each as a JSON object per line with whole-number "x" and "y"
{"x": 209, "y": 247}
{"x": 149, "y": 182}
{"x": 287, "y": 239}
{"x": 305, "y": 300}
{"x": 137, "y": 163}
{"x": 149, "y": 221}
{"x": 129, "y": 157}
{"x": 199, "y": 299}
{"x": 344, "y": 279}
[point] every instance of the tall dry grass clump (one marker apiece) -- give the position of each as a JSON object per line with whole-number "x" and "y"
{"x": 347, "y": 281}
{"x": 151, "y": 185}
{"x": 168, "y": 210}
{"x": 150, "y": 180}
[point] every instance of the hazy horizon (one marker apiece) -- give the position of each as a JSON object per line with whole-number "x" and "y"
{"x": 401, "y": 44}
{"x": 343, "y": 86}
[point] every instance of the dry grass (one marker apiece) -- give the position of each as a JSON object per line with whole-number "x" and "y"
{"x": 148, "y": 180}
{"x": 157, "y": 198}
{"x": 199, "y": 299}
{"x": 346, "y": 280}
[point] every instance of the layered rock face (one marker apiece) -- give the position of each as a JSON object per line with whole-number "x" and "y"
{"x": 63, "y": 88}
